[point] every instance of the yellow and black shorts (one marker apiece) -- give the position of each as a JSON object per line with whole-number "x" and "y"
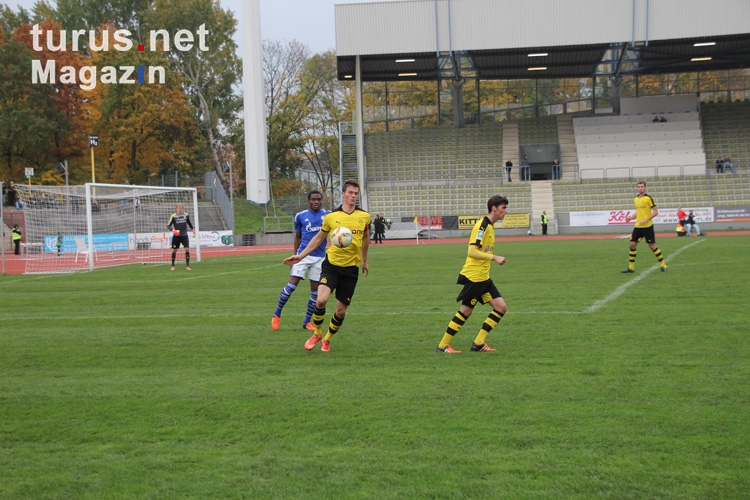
{"x": 473, "y": 292}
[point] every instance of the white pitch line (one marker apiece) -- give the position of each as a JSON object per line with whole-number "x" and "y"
{"x": 621, "y": 289}
{"x": 593, "y": 308}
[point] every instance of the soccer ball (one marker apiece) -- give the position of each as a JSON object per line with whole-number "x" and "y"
{"x": 529, "y": 233}
{"x": 341, "y": 237}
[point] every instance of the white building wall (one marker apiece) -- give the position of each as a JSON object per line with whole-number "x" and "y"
{"x": 409, "y": 26}
{"x": 672, "y": 19}
{"x": 385, "y": 27}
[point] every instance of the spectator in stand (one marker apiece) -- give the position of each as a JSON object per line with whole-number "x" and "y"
{"x": 12, "y": 198}
{"x": 508, "y": 168}
{"x": 663, "y": 120}
{"x": 681, "y": 220}
{"x": 728, "y": 165}
{"x": 655, "y": 120}
{"x": 691, "y": 225}
{"x": 525, "y": 169}
{"x": 556, "y": 170}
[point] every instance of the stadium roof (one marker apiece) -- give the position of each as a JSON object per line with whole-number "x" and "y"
{"x": 386, "y": 49}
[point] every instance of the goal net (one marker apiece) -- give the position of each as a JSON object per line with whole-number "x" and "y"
{"x": 75, "y": 228}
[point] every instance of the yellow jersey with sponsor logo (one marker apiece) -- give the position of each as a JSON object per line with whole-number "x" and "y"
{"x": 482, "y": 236}
{"x": 357, "y": 222}
{"x": 643, "y": 205}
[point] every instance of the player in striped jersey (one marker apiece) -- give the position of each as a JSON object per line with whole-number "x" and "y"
{"x": 645, "y": 211}
{"x": 475, "y": 278}
{"x": 340, "y": 270}
{"x": 306, "y": 225}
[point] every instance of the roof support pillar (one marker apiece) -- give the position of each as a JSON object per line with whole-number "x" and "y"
{"x": 359, "y": 126}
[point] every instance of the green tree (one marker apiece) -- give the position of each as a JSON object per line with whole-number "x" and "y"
{"x": 209, "y": 75}
{"x": 41, "y": 122}
{"x": 331, "y": 102}
{"x": 89, "y": 14}
{"x": 287, "y": 106}
{"x": 10, "y": 20}
{"x": 71, "y": 123}
{"x": 144, "y": 128}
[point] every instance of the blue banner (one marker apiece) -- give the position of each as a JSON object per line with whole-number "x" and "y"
{"x": 102, "y": 242}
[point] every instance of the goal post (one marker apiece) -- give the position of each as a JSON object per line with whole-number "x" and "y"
{"x": 73, "y": 228}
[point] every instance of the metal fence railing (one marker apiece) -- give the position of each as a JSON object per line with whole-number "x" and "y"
{"x": 215, "y": 192}
{"x": 280, "y": 224}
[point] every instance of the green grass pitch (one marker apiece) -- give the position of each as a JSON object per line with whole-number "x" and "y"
{"x": 138, "y": 382}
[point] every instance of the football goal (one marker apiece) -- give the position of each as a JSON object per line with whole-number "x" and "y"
{"x": 75, "y": 228}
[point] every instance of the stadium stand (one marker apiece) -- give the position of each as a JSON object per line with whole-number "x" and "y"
{"x": 436, "y": 170}
{"x": 456, "y": 198}
{"x": 542, "y": 130}
{"x": 437, "y": 153}
{"x": 667, "y": 191}
{"x": 616, "y": 144}
{"x": 726, "y": 131}
{"x": 447, "y": 171}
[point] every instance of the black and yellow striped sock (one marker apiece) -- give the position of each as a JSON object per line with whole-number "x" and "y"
{"x": 659, "y": 257}
{"x": 317, "y": 319}
{"x": 453, "y": 328}
{"x": 631, "y": 265}
{"x": 334, "y": 326}
{"x": 491, "y": 322}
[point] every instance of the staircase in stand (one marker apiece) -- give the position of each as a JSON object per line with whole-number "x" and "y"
{"x": 542, "y": 199}
{"x": 568, "y": 152}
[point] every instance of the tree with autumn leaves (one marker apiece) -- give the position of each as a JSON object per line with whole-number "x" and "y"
{"x": 144, "y": 129}
{"x": 304, "y": 104}
{"x": 191, "y": 124}
{"x": 39, "y": 124}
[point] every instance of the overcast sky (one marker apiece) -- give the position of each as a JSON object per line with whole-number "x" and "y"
{"x": 308, "y": 21}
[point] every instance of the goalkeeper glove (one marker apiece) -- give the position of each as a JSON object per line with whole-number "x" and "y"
{"x": 176, "y": 232}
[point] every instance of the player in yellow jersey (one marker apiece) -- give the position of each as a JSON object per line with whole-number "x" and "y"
{"x": 475, "y": 277}
{"x": 340, "y": 269}
{"x": 645, "y": 211}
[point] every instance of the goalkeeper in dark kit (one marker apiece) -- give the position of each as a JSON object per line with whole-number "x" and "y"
{"x": 178, "y": 224}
